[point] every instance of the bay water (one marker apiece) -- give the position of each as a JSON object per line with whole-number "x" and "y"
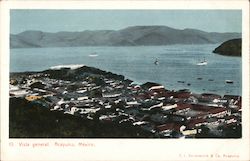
{"x": 176, "y": 68}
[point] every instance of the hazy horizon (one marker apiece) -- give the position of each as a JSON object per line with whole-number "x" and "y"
{"x": 120, "y": 29}
{"x": 80, "y": 20}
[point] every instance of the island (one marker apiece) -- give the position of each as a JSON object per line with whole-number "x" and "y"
{"x": 78, "y": 101}
{"x": 230, "y": 48}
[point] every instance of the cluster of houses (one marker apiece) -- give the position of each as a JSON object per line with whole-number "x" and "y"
{"x": 151, "y": 107}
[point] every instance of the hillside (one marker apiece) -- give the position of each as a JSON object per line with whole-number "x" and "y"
{"x": 229, "y": 48}
{"x": 31, "y": 120}
{"x": 130, "y": 36}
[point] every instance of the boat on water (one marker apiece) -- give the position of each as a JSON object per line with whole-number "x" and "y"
{"x": 156, "y": 62}
{"x": 93, "y": 55}
{"x": 202, "y": 63}
{"x": 229, "y": 81}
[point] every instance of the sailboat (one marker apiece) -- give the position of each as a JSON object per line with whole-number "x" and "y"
{"x": 202, "y": 63}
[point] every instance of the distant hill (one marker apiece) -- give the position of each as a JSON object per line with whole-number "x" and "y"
{"x": 131, "y": 36}
{"x": 230, "y": 48}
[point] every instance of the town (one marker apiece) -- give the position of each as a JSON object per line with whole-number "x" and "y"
{"x": 94, "y": 94}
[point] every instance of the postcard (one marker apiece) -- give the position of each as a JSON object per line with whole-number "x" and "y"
{"x": 125, "y": 80}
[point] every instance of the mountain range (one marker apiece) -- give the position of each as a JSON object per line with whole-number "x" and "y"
{"x": 130, "y": 36}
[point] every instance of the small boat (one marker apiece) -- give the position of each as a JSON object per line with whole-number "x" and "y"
{"x": 202, "y": 63}
{"x": 229, "y": 81}
{"x": 156, "y": 62}
{"x": 93, "y": 55}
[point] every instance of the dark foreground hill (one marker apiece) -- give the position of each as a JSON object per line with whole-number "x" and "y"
{"x": 230, "y": 48}
{"x": 130, "y": 36}
{"x": 29, "y": 120}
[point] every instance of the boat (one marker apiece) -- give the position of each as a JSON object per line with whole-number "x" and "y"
{"x": 93, "y": 55}
{"x": 202, "y": 63}
{"x": 229, "y": 81}
{"x": 156, "y": 62}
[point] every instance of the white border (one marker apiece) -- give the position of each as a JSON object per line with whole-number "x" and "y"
{"x": 123, "y": 149}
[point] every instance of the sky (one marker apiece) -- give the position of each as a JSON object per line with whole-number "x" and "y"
{"x": 80, "y": 20}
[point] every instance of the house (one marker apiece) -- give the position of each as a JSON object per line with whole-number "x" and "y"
{"x": 19, "y": 92}
{"x": 119, "y": 86}
{"x": 88, "y": 110}
{"x": 55, "y": 108}
{"x": 194, "y": 123}
{"x": 189, "y": 132}
{"x": 138, "y": 123}
{"x": 32, "y": 97}
{"x": 230, "y": 119}
{"x": 182, "y": 107}
{"x": 133, "y": 103}
{"x": 218, "y": 112}
{"x": 135, "y": 87}
{"x": 200, "y": 107}
{"x": 156, "y": 106}
{"x": 168, "y": 107}
{"x": 111, "y": 95}
{"x": 82, "y": 98}
{"x": 108, "y": 118}
{"x": 157, "y": 88}
{"x": 81, "y": 91}
{"x": 71, "y": 111}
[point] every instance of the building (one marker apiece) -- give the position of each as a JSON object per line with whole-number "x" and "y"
{"x": 33, "y": 97}
{"x": 218, "y": 112}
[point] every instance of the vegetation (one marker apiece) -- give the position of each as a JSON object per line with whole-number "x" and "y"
{"x": 67, "y": 74}
{"x": 229, "y": 48}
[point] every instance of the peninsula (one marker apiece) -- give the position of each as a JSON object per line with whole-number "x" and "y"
{"x": 229, "y": 48}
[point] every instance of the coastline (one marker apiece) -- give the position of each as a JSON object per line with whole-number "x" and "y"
{"x": 106, "y": 97}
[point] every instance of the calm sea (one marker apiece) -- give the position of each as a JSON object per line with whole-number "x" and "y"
{"x": 177, "y": 68}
